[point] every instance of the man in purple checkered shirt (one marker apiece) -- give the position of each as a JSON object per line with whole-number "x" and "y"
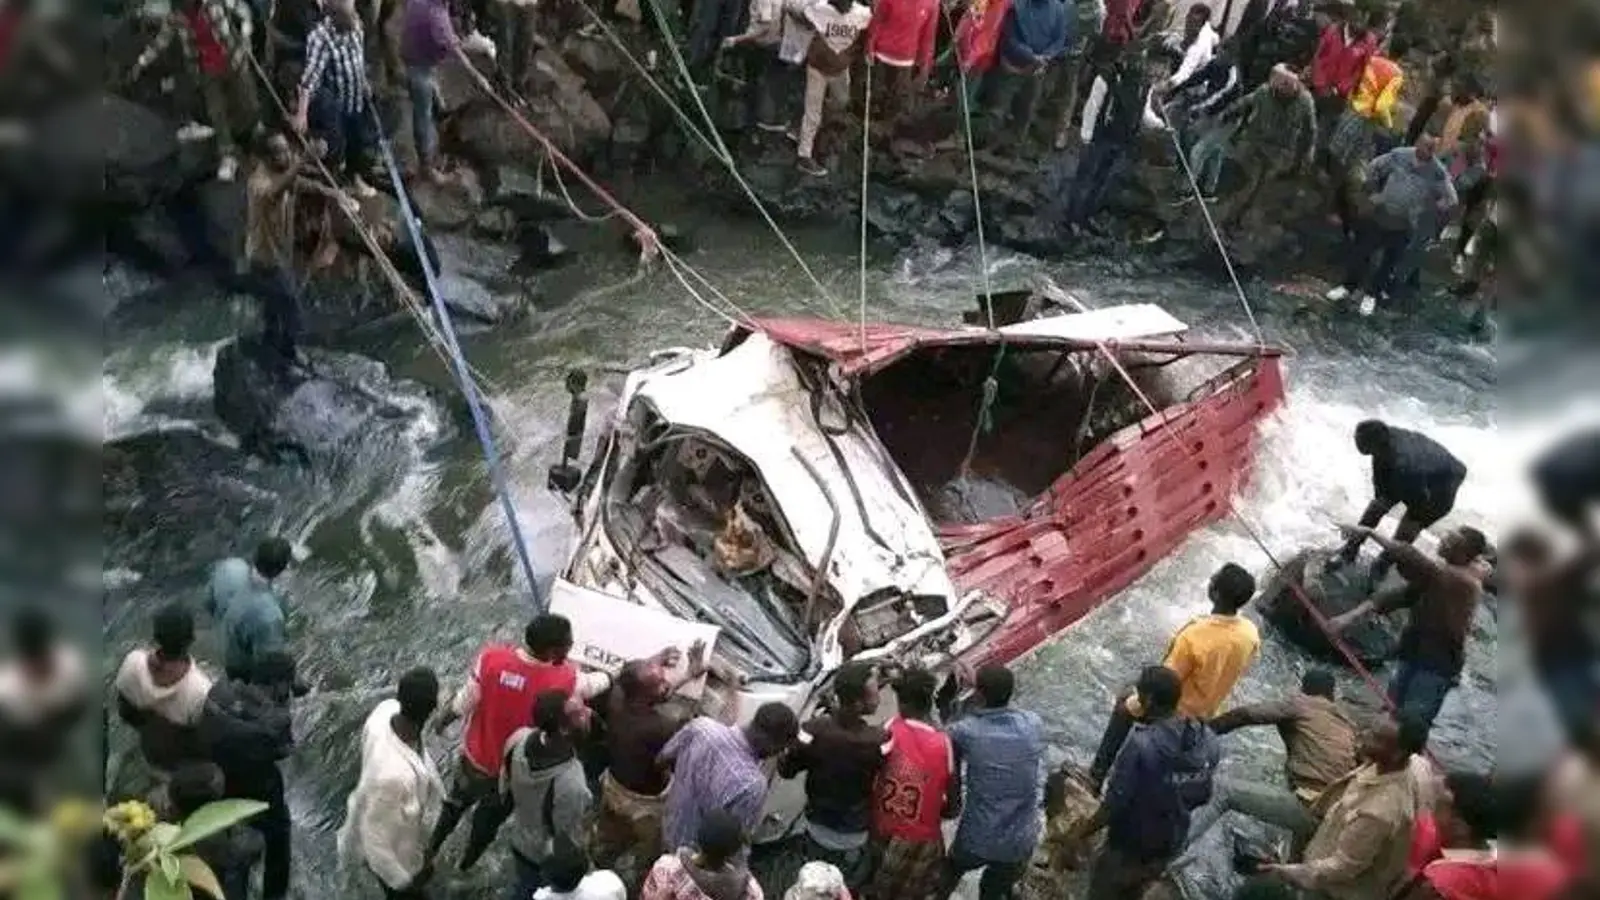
{"x": 716, "y": 766}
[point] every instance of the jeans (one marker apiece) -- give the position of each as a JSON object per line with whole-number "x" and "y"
{"x": 1418, "y": 692}
{"x": 479, "y": 792}
{"x": 1262, "y": 802}
{"x": 761, "y": 84}
{"x": 1207, "y": 157}
{"x": 998, "y": 881}
{"x": 347, "y": 132}
{"x": 423, "y": 89}
{"x": 1097, "y": 169}
{"x": 1385, "y": 243}
{"x": 1117, "y": 729}
{"x": 274, "y": 827}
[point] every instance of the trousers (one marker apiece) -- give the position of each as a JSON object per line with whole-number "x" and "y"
{"x": 821, "y": 89}
{"x": 1375, "y": 256}
{"x": 998, "y": 881}
{"x": 1419, "y": 692}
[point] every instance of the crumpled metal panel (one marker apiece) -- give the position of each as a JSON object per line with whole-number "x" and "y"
{"x": 1125, "y": 506}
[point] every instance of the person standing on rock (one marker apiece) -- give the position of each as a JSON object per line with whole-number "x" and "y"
{"x": 842, "y": 754}
{"x": 427, "y": 38}
{"x": 999, "y": 750}
{"x": 1551, "y": 592}
{"x": 398, "y": 794}
{"x": 1275, "y": 139}
{"x": 161, "y": 693}
{"x": 1442, "y": 593}
{"x": 246, "y": 727}
{"x": 1343, "y": 49}
{"x": 1410, "y": 469}
{"x": 496, "y": 701}
{"x": 900, "y": 43}
{"x": 44, "y": 693}
{"x": 915, "y": 792}
{"x": 1163, "y": 774}
{"x": 839, "y": 28}
{"x": 1036, "y": 33}
{"x": 1209, "y": 653}
{"x": 1110, "y": 128}
{"x": 248, "y": 608}
{"x": 1409, "y": 187}
{"x": 542, "y": 779}
{"x": 757, "y": 47}
{"x": 334, "y": 88}
{"x": 215, "y": 38}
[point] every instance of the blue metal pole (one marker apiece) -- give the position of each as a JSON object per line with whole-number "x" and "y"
{"x": 480, "y": 421}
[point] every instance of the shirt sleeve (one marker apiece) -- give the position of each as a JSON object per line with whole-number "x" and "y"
{"x": 1125, "y": 777}
{"x": 317, "y": 54}
{"x": 1091, "y": 108}
{"x": 678, "y": 741}
{"x": 1198, "y": 53}
{"x": 1273, "y": 712}
{"x": 747, "y": 804}
{"x": 1180, "y": 655}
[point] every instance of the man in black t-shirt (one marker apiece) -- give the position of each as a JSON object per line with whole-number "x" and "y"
{"x": 1410, "y": 469}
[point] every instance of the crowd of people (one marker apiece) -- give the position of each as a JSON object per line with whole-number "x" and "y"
{"x": 614, "y": 786}
{"x": 1287, "y": 89}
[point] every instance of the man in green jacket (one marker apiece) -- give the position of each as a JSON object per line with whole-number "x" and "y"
{"x": 247, "y": 607}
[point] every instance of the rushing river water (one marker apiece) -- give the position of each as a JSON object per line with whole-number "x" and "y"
{"x": 406, "y": 559}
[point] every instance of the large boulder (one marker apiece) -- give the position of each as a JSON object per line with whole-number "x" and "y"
{"x": 1307, "y": 578}
{"x": 559, "y": 105}
{"x": 334, "y": 401}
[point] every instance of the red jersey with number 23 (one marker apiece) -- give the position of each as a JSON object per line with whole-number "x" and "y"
{"x": 508, "y": 682}
{"x": 908, "y": 797}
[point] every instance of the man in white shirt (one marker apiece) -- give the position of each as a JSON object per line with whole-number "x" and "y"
{"x": 44, "y": 692}
{"x": 390, "y": 814}
{"x": 838, "y": 28}
{"x": 161, "y": 692}
{"x": 568, "y": 874}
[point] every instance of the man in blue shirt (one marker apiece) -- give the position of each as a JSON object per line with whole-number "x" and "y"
{"x": 1036, "y": 34}
{"x": 248, "y": 610}
{"x": 1162, "y": 775}
{"x": 1000, "y": 755}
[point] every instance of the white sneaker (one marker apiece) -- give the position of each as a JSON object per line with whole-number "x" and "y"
{"x": 361, "y": 189}
{"x": 1369, "y": 304}
{"x": 1337, "y": 295}
{"x": 1450, "y": 233}
{"x": 227, "y": 168}
{"x": 194, "y": 131}
{"x": 1459, "y": 265}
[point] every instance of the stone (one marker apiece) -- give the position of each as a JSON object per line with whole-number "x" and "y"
{"x": 333, "y": 401}
{"x": 560, "y": 105}
{"x": 1373, "y": 641}
{"x": 451, "y": 204}
{"x": 540, "y": 249}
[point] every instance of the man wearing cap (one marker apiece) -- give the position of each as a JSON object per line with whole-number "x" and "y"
{"x": 245, "y": 728}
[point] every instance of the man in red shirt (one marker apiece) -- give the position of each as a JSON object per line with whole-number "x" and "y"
{"x": 1343, "y": 49}
{"x": 900, "y": 45}
{"x": 915, "y": 791}
{"x": 497, "y": 701}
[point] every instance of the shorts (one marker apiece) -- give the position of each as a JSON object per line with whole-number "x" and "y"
{"x": 628, "y": 821}
{"x": 906, "y": 870}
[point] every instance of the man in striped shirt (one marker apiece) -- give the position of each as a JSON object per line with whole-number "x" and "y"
{"x": 334, "y": 86}
{"x": 717, "y": 766}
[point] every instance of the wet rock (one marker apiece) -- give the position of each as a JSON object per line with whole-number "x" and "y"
{"x": 450, "y": 204}
{"x": 540, "y": 250}
{"x": 104, "y": 147}
{"x": 334, "y": 400}
{"x": 559, "y": 103}
{"x": 1373, "y": 641}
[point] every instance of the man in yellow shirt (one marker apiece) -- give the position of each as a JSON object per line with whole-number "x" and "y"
{"x": 1209, "y": 654}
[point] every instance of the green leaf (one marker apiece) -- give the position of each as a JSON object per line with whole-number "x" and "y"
{"x": 161, "y": 836}
{"x": 213, "y": 818}
{"x": 171, "y": 869}
{"x": 40, "y": 884}
{"x": 15, "y": 831}
{"x": 200, "y": 877}
{"x": 159, "y": 888}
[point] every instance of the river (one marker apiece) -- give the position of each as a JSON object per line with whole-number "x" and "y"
{"x": 405, "y": 554}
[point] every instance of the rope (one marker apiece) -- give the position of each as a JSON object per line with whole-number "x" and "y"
{"x": 991, "y": 383}
{"x": 396, "y": 281}
{"x": 1216, "y": 236}
{"x": 572, "y": 205}
{"x": 1250, "y": 531}
{"x": 648, "y": 241}
{"x": 866, "y": 150}
{"x": 480, "y": 422}
{"x": 719, "y": 149}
